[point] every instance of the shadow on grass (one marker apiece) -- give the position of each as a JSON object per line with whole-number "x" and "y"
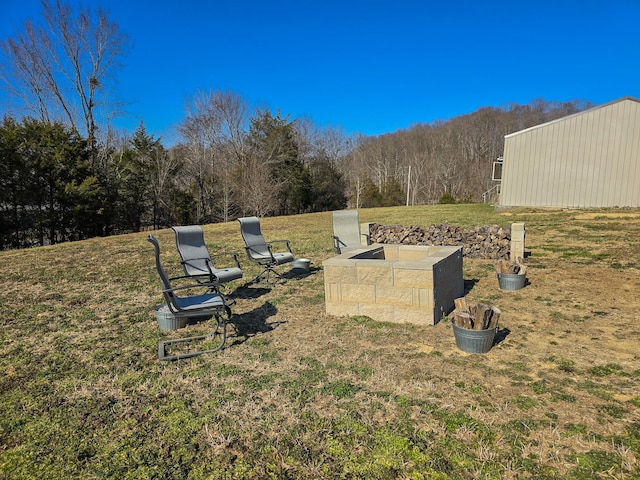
{"x": 299, "y": 276}
{"x": 253, "y": 289}
{"x": 247, "y": 292}
{"x": 469, "y": 284}
{"x": 251, "y": 323}
{"x": 501, "y": 335}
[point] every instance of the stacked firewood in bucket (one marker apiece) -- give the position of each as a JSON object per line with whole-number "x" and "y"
{"x": 475, "y": 316}
{"x": 511, "y": 268}
{"x": 511, "y": 275}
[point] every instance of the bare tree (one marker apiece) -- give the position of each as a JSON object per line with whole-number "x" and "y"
{"x": 60, "y": 71}
{"x": 355, "y": 170}
{"x": 213, "y": 142}
{"x": 260, "y": 191}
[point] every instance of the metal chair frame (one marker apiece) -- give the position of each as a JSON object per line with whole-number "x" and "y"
{"x": 259, "y": 251}
{"x": 210, "y": 304}
{"x": 346, "y": 231}
{"x": 197, "y": 262}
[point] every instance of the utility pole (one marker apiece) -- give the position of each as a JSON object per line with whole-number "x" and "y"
{"x": 408, "y": 184}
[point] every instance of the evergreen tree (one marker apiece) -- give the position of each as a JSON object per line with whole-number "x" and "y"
{"x": 14, "y": 196}
{"x": 272, "y": 143}
{"x": 48, "y": 184}
{"x": 328, "y": 187}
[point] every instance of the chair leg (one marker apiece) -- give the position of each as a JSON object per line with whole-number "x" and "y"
{"x": 221, "y": 329}
{"x": 227, "y": 299}
{"x": 268, "y": 270}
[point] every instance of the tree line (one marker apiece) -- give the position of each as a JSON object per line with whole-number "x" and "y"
{"x": 52, "y": 190}
{"x": 68, "y": 175}
{"x": 442, "y": 161}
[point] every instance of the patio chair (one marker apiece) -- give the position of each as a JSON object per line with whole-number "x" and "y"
{"x": 196, "y": 260}
{"x": 209, "y": 304}
{"x": 346, "y": 231}
{"x": 259, "y": 251}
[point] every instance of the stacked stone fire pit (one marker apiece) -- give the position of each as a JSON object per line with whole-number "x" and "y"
{"x": 394, "y": 283}
{"x": 412, "y": 274}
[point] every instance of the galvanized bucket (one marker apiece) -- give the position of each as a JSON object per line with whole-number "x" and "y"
{"x": 300, "y": 265}
{"x": 511, "y": 281}
{"x": 474, "y": 341}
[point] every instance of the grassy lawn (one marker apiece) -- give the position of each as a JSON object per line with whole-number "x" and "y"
{"x": 299, "y": 394}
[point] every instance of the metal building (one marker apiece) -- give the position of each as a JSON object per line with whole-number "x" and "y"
{"x": 587, "y": 160}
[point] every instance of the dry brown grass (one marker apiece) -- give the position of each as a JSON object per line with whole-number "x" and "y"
{"x": 299, "y": 394}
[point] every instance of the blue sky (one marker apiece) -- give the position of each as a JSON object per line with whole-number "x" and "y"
{"x": 369, "y": 67}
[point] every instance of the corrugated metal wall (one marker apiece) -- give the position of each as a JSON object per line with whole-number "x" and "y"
{"x": 590, "y": 159}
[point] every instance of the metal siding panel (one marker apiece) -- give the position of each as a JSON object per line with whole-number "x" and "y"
{"x": 507, "y": 165}
{"x": 588, "y": 160}
{"x": 541, "y": 174}
{"x": 512, "y": 189}
{"x": 576, "y": 153}
{"x": 563, "y": 132}
{"x": 517, "y": 173}
{"x": 541, "y": 168}
{"x": 581, "y": 172}
{"x": 549, "y": 187}
{"x": 602, "y": 165}
{"x": 594, "y": 156}
{"x": 614, "y": 193}
{"x": 634, "y": 159}
{"x": 628, "y": 191}
{"x": 535, "y": 175}
{"x": 586, "y": 168}
{"x": 567, "y": 159}
{"x": 610, "y": 186}
{"x": 631, "y": 158}
{"x": 608, "y": 158}
{"x": 627, "y": 125}
{"x": 520, "y": 192}
{"x": 532, "y": 180}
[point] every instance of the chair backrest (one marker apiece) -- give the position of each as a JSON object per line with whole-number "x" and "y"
{"x": 164, "y": 278}
{"x": 252, "y": 236}
{"x": 195, "y": 256}
{"x": 346, "y": 228}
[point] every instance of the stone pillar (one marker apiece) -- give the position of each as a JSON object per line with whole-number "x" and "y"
{"x": 517, "y": 241}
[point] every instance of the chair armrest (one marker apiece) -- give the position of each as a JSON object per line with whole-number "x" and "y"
{"x": 252, "y": 253}
{"x": 183, "y": 277}
{"x": 280, "y": 241}
{"x": 186, "y": 287}
{"x": 229, "y": 254}
{"x": 336, "y": 244}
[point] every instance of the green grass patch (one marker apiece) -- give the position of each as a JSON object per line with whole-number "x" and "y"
{"x": 300, "y": 394}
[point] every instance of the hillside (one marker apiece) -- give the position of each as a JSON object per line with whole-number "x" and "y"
{"x": 299, "y": 394}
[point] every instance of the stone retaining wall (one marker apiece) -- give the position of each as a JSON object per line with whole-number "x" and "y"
{"x": 487, "y": 241}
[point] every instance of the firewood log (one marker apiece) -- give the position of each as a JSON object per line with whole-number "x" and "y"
{"x": 482, "y": 316}
{"x": 502, "y": 266}
{"x": 461, "y": 304}
{"x": 463, "y": 320}
{"x": 495, "y": 317}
